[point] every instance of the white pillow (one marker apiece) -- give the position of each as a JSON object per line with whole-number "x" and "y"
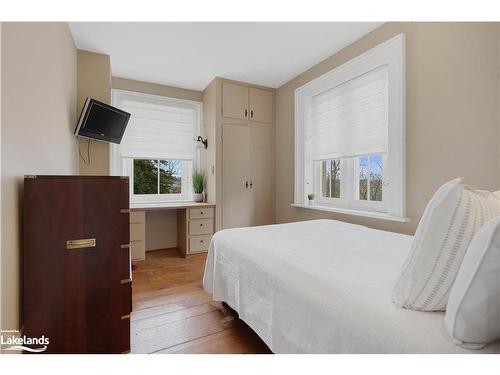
{"x": 473, "y": 313}
{"x": 452, "y": 217}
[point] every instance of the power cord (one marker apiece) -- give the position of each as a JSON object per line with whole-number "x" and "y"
{"x": 88, "y": 152}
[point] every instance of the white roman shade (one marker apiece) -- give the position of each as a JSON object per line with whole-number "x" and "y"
{"x": 351, "y": 119}
{"x": 159, "y": 128}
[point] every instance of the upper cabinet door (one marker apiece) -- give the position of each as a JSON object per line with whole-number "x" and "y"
{"x": 261, "y": 105}
{"x": 235, "y": 101}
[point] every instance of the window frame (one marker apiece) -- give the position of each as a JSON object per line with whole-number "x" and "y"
{"x": 329, "y": 201}
{"x": 392, "y": 54}
{"x": 349, "y": 187}
{"x": 124, "y": 166}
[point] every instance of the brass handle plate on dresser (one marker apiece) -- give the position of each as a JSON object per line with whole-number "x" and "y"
{"x": 80, "y": 244}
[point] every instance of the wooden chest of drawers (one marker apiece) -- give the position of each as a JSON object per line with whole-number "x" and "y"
{"x": 77, "y": 277}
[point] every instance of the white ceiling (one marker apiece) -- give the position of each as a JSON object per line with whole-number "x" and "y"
{"x": 190, "y": 55}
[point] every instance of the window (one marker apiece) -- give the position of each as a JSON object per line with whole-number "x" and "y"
{"x": 370, "y": 178}
{"x": 330, "y": 178}
{"x": 349, "y": 132}
{"x": 157, "y": 176}
{"x": 158, "y": 151}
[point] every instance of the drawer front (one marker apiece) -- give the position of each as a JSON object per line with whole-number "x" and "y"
{"x": 201, "y": 226}
{"x": 137, "y": 217}
{"x": 137, "y": 232}
{"x": 138, "y": 250}
{"x": 199, "y": 244}
{"x": 201, "y": 213}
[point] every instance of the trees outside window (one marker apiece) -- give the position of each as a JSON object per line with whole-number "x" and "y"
{"x": 157, "y": 176}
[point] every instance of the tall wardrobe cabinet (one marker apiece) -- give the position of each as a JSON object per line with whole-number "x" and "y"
{"x": 240, "y": 118}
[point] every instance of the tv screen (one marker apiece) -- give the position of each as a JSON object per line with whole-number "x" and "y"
{"x": 101, "y": 121}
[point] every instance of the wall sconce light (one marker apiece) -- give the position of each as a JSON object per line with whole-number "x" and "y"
{"x": 204, "y": 141}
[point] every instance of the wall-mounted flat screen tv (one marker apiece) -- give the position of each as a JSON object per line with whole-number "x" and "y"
{"x": 101, "y": 121}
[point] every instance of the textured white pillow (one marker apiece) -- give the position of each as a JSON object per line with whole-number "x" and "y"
{"x": 452, "y": 217}
{"x": 473, "y": 312}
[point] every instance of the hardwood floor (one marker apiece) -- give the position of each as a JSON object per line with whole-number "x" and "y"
{"x": 173, "y": 314}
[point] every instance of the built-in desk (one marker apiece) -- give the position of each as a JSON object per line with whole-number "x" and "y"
{"x": 195, "y": 227}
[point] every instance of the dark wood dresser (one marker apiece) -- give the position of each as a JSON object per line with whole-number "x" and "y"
{"x": 77, "y": 277}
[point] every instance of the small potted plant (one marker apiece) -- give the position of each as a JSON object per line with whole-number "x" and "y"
{"x": 198, "y": 181}
{"x": 311, "y": 197}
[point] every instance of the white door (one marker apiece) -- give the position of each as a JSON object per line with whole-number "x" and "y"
{"x": 261, "y": 175}
{"x": 236, "y": 192}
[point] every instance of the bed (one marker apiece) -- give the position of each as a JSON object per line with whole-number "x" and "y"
{"x": 322, "y": 286}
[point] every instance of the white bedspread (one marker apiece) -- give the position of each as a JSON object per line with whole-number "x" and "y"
{"x": 322, "y": 286}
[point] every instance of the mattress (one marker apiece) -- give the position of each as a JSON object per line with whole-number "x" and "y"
{"x": 322, "y": 286}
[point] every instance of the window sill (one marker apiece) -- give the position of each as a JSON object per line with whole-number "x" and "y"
{"x": 347, "y": 211}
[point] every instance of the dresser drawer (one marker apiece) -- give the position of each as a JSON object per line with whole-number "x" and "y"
{"x": 137, "y": 217}
{"x": 199, "y": 243}
{"x": 201, "y": 226}
{"x": 201, "y": 213}
{"x": 137, "y": 232}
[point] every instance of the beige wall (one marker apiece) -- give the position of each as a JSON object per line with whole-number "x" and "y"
{"x": 155, "y": 89}
{"x": 452, "y": 114}
{"x": 94, "y": 80}
{"x": 161, "y": 226}
{"x": 38, "y": 119}
{"x": 161, "y": 229}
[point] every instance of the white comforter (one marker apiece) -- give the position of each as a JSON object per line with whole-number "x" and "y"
{"x": 322, "y": 286}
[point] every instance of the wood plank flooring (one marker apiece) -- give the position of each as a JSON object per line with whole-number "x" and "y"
{"x": 173, "y": 314}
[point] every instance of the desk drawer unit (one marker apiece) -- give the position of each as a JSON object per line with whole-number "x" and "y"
{"x": 195, "y": 229}
{"x": 138, "y": 235}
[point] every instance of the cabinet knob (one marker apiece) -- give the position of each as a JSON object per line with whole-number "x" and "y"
{"x": 251, "y": 113}
{"x": 246, "y": 113}
{"x": 201, "y": 225}
{"x": 201, "y": 212}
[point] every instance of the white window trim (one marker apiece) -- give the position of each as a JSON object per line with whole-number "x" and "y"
{"x": 392, "y": 54}
{"x": 119, "y": 168}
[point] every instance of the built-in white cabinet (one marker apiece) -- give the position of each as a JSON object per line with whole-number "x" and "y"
{"x": 247, "y": 103}
{"x": 247, "y": 175}
{"x": 239, "y": 124}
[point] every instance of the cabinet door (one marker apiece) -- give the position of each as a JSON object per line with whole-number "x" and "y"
{"x": 261, "y": 105}
{"x": 236, "y": 204}
{"x": 262, "y": 175}
{"x": 234, "y": 101}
